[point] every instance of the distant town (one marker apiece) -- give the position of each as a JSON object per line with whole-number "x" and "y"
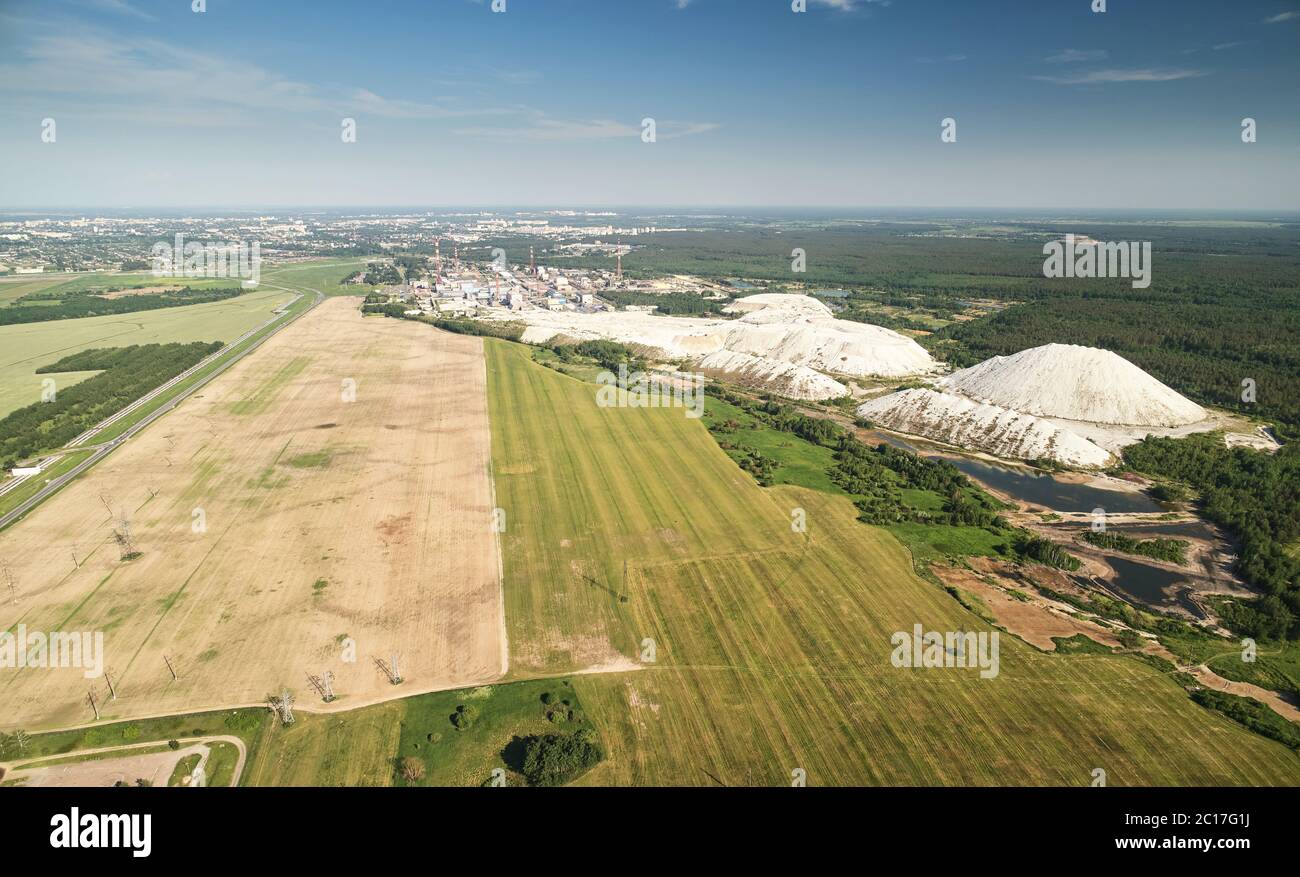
{"x": 32, "y": 244}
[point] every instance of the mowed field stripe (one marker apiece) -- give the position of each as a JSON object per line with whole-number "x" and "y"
{"x": 773, "y": 649}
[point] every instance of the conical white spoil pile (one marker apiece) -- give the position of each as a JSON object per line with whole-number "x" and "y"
{"x": 1075, "y": 383}
{"x": 959, "y": 421}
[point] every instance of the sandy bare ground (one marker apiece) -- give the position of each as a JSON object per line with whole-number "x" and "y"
{"x": 1037, "y": 620}
{"x": 1034, "y": 620}
{"x": 278, "y": 523}
{"x": 156, "y": 767}
{"x": 1271, "y": 699}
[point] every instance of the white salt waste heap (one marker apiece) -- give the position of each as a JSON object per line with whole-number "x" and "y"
{"x": 782, "y": 342}
{"x": 800, "y": 329}
{"x": 959, "y": 421}
{"x": 1075, "y": 383}
{"x": 791, "y": 381}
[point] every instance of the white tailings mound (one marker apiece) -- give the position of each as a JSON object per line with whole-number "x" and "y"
{"x": 791, "y": 381}
{"x": 776, "y": 332}
{"x": 800, "y": 329}
{"x": 1075, "y": 383}
{"x": 958, "y": 421}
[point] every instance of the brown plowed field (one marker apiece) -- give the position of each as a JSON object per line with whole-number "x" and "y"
{"x": 325, "y": 519}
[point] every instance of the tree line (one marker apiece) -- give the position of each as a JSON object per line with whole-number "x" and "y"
{"x": 127, "y": 374}
{"x": 76, "y": 305}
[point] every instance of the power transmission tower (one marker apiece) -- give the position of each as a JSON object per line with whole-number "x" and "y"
{"x": 90, "y": 696}
{"x": 125, "y": 541}
{"x": 391, "y": 671}
{"x": 324, "y": 685}
{"x": 283, "y": 707}
{"x": 12, "y": 583}
{"x": 112, "y": 692}
{"x": 170, "y": 668}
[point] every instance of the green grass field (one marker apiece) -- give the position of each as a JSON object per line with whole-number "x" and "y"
{"x": 322, "y": 275}
{"x": 799, "y": 462}
{"x": 773, "y": 646}
{"x": 366, "y": 746}
{"x": 183, "y": 769}
{"x": 16, "y": 287}
{"x": 28, "y": 346}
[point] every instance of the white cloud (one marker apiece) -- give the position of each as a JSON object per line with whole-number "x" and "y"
{"x": 121, "y": 7}
{"x": 1074, "y": 56}
{"x": 150, "y": 80}
{"x": 1281, "y": 17}
{"x": 544, "y": 127}
{"x": 841, "y": 5}
{"x": 1095, "y": 77}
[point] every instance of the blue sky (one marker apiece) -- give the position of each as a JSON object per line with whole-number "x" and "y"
{"x": 1056, "y": 106}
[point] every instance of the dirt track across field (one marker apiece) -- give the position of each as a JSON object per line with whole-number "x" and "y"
{"x": 328, "y": 499}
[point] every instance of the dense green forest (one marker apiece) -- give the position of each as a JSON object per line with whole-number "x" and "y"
{"x": 70, "y": 306}
{"x": 608, "y": 354}
{"x": 666, "y": 303}
{"x": 1223, "y": 307}
{"x": 127, "y": 374}
{"x": 1256, "y": 496}
{"x": 382, "y": 274}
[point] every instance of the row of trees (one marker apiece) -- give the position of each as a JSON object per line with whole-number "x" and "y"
{"x": 679, "y": 303}
{"x": 1170, "y": 550}
{"x": 609, "y": 354}
{"x": 84, "y": 304}
{"x": 460, "y": 325}
{"x": 127, "y": 374}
